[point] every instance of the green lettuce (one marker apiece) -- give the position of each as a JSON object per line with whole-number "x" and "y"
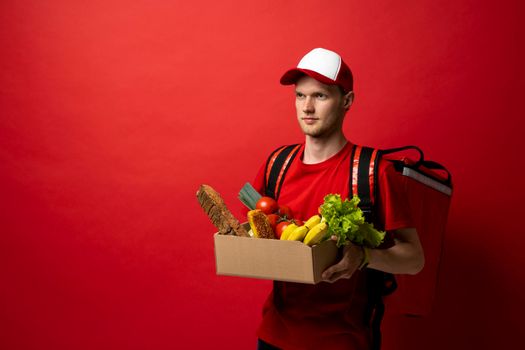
{"x": 346, "y": 221}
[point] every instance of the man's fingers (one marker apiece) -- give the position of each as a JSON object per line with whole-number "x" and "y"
{"x": 327, "y": 274}
{"x": 344, "y": 268}
{"x": 337, "y": 275}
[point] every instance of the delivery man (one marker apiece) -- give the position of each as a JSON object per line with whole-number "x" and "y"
{"x": 336, "y": 313}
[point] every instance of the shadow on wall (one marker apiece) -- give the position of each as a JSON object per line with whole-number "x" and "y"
{"x": 471, "y": 298}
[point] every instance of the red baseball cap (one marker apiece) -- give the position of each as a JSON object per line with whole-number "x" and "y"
{"x": 323, "y": 65}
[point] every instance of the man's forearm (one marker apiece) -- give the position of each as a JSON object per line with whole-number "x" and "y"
{"x": 405, "y": 257}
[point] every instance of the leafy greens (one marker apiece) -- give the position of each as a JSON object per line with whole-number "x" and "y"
{"x": 346, "y": 221}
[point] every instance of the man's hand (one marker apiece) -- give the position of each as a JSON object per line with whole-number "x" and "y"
{"x": 352, "y": 257}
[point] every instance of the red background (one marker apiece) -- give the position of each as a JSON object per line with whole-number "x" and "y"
{"x": 114, "y": 112}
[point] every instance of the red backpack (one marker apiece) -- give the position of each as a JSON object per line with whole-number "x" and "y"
{"x": 429, "y": 188}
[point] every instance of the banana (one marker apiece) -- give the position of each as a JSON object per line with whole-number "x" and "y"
{"x": 289, "y": 229}
{"x": 314, "y": 220}
{"x": 315, "y": 235}
{"x": 298, "y": 234}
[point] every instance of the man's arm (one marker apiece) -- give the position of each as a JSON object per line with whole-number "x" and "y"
{"x": 405, "y": 257}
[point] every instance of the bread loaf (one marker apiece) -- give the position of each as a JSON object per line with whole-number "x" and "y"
{"x": 260, "y": 224}
{"x": 213, "y": 205}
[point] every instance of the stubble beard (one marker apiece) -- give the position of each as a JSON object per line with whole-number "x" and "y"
{"x": 311, "y": 130}
{"x": 320, "y": 131}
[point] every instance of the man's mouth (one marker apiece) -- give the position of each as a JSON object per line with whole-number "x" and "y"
{"x": 309, "y": 120}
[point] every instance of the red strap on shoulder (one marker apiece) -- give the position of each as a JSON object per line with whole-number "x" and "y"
{"x": 277, "y": 166}
{"x": 271, "y": 161}
{"x": 364, "y": 164}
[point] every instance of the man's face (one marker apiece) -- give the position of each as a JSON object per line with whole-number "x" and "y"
{"x": 320, "y": 107}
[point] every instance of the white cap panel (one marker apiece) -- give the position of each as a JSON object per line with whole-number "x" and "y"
{"x": 322, "y": 61}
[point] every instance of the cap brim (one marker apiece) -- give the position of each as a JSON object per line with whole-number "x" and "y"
{"x": 291, "y": 76}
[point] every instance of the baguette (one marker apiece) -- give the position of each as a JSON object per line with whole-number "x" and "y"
{"x": 213, "y": 205}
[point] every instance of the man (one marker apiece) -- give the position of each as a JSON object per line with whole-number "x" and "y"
{"x": 334, "y": 314}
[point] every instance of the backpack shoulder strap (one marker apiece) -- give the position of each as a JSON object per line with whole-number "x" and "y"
{"x": 363, "y": 182}
{"x": 363, "y": 177}
{"x": 277, "y": 165}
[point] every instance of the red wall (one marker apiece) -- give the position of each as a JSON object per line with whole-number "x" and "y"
{"x": 112, "y": 113}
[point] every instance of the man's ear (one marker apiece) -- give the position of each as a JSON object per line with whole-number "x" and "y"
{"x": 348, "y": 99}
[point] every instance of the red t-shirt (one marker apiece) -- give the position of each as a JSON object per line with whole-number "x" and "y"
{"x": 326, "y": 315}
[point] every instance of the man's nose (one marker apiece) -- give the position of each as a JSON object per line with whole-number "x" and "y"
{"x": 308, "y": 106}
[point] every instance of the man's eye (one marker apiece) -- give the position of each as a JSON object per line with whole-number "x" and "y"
{"x": 299, "y": 95}
{"x": 320, "y": 96}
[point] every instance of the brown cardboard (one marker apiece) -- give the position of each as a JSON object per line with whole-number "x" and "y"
{"x": 272, "y": 258}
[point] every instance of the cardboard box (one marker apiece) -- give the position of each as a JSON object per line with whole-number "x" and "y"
{"x": 272, "y": 259}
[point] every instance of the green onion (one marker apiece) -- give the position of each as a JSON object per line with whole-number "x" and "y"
{"x": 249, "y": 196}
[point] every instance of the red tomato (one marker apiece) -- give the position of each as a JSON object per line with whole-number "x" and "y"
{"x": 274, "y": 219}
{"x": 298, "y": 222}
{"x": 285, "y": 211}
{"x": 280, "y": 228}
{"x": 267, "y": 205}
